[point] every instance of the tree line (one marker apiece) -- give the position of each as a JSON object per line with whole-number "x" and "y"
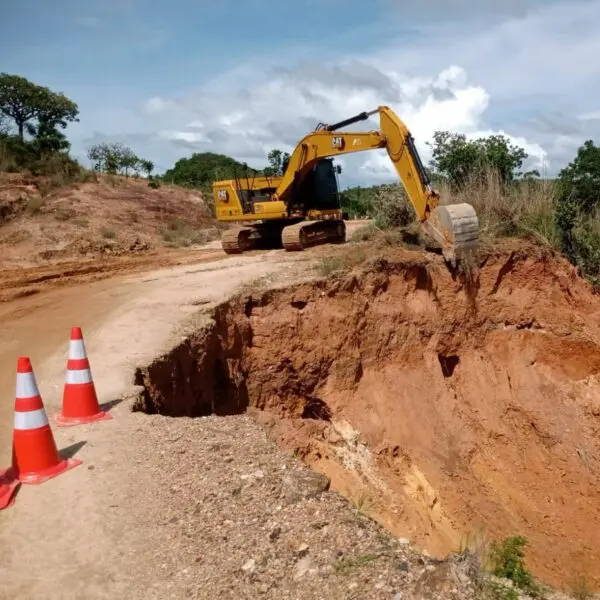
{"x": 116, "y": 158}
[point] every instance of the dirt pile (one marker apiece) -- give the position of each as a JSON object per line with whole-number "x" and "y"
{"x": 440, "y": 404}
{"x": 113, "y": 216}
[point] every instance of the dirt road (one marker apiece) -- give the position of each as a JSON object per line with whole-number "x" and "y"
{"x": 124, "y": 322}
{"x": 92, "y": 541}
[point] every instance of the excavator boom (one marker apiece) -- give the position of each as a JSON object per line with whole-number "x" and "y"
{"x": 454, "y": 227}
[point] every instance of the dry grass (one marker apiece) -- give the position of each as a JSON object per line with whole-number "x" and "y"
{"x": 524, "y": 209}
{"x": 108, "y": 233}
{"x": 581, "y": 588}
{"x": 521, "y": 209}
{"x": 179, "y": 233}
{"x": 344, "y": 261}
{"x": 478, "y": 544}
{"x": 362, "y": 501}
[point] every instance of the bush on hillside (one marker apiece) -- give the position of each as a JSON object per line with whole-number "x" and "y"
{"x": 391, "y": 207}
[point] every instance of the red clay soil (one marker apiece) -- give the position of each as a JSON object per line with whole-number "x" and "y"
{"x": 113, "y": 216}
{"x": 438, "y": 407}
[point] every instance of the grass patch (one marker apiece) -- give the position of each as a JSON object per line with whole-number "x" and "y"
{"x": 503, "y": 574}
{"x": 339, "y": 263}
{"x": 64, "y": 214}
{"x": 179, "y": 234}
{"x": 522, "y": 209}
{"x": 347, "y": 563}
{"x": 34, "y": 205}
{"x": 365, "y": 233}
{"x": 260, "y": 284}
{"x": 107, "y": 233}
{"x": 580, "y": 588}
{"x": 362, "y": 502}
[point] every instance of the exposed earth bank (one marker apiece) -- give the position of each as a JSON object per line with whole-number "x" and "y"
{"x": 437, "y": 402}
{"x": 42, "y": 222}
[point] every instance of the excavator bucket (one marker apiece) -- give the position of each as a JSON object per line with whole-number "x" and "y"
{"x": 455, "y": 227}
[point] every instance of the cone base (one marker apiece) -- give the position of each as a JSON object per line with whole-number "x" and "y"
{"x": 45, "y": 474}
{"x": 63, "y": 421}
{"x": 8, "y": 488}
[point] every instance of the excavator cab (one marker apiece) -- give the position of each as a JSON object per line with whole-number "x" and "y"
{"x": 318, "y": 190}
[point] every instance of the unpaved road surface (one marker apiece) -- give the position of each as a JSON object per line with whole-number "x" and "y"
{"x": 85, "y": 544}
{"x": 112, "y": 527}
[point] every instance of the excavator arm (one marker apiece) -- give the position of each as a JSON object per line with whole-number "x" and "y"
{"x": 454, "y": 227}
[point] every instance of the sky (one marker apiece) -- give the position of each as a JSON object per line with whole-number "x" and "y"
{"x": 242, "y": 77}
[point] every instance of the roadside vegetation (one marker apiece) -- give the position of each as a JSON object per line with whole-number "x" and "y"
{"x": 561, "y": 213}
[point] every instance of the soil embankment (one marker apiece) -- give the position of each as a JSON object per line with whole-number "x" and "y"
{"x": 438, "y": 406}
{"x": 108, "y": 216}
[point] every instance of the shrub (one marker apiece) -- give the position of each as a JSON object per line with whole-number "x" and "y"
{"x": 107, "y": 233}
{"x": 508, "y": 561}
{"x": 391, "y": 207}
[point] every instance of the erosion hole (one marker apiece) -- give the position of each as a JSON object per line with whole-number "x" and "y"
{"x": 448, "y": 364}
{"x": 353, "y": 384}
{"x": 314, "y": 408}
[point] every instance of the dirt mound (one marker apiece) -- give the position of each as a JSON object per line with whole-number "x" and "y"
{"x": 113, "y": 216}
{"x": 444, "y": 403}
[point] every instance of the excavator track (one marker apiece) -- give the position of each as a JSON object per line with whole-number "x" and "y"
{"x": 259, "y": 236}
{"x": 312, "y": 233}
{"x": 236, "y": 240}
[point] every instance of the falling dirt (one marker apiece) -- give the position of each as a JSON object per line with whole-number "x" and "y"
{"x": 436, "y": 405}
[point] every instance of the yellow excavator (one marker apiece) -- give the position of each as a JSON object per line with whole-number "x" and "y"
{"x": 302, "y": 208}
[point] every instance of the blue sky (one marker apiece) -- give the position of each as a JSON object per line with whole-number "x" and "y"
{"x": 171, "y": 78}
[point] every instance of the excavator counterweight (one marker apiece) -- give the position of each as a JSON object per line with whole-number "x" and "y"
{"x": 301, "y": 208}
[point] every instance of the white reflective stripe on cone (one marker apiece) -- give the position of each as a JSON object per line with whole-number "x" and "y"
{"x": 79, "y": 376}
{"x": 77, "y": 349}
{"x": 33, "y": 419}
{"x": 26, "y": 386}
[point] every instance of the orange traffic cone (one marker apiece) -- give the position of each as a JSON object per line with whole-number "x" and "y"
{"x": 8, "y": 488}
{"x": 80, "y": 402}
{"x": 35, "y": 457}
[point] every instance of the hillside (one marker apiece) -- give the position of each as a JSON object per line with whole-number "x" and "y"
{"x": 107, "y": 216}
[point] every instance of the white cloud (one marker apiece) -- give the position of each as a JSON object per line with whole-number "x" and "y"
{"x": 184, "y": 136}
{"x": 156, "y": 105}
{"x": 460, "y": 80}
{"x": 590, "y": 116}
{"x": 286, "y": 104}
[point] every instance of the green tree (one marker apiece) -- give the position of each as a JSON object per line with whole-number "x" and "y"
{"x": 358, "y": 200}
{"x": 127, "y": 159}
{"x": 113, "y": 158}
{"x": 201, "y": 169}
{"x": 458, "y": 159}
{"x": 105, "y": 157}
{"x": 47, "y": 139}
{"x": 278, "y": 161}
{"x": 577, "y": 206}
{"x": 147, "y": 166}
{"x": 24, "y": 101}
{"x": 4, "y": 126}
